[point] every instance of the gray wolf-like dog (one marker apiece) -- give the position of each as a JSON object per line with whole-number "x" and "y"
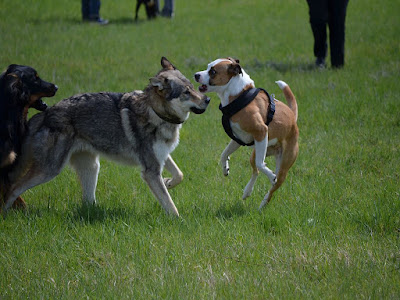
{"x": 138, "y": 128}
{"x": 277, "y": 136}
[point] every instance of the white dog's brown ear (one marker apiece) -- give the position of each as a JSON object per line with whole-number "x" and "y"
{"x": 234, "y": 69}
{"x": 234, "y": 60}
{"x": 165, "y": 63}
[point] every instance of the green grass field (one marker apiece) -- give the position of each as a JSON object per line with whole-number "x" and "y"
{"x": 331, "y": 231}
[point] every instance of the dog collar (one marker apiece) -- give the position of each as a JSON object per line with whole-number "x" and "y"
{"x": 169, "y": 120}
{"x": 239, "y": 103}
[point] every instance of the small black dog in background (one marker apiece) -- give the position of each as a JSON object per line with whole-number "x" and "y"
{"x": 151, "y": 8}
{"x": 20, "y": 89}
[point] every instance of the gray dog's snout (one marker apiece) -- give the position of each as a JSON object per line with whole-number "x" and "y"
{"x": 208, "y": 99}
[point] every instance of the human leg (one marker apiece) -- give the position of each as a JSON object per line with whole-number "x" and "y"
{"x": 337, "y": 17}
{"x": 168, "y": 9}
{"x": 318, "y": 11}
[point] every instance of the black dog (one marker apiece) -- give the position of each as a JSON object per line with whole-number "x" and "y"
{"x": 20, "y": 89}
{"x": 151, "y": 8}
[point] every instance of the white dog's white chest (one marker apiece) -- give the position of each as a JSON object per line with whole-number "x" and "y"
{"x": 246, "y": 137}
{"x": 240, "y": 133}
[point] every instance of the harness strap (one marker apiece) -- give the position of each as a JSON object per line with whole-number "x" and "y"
{"x": 239, "y": 103}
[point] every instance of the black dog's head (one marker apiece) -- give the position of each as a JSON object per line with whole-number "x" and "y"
{"x": 24, "y": 86}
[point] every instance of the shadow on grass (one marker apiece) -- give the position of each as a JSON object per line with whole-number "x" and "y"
{"x": 229, "y": 212}
{"x": 92, "y": 214}
{"x": 78, "y": 21}
{"x": 95, "y": 213}
{"x": 281, "y": 66}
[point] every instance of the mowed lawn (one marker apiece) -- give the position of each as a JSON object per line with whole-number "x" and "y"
{"x": 331, "y": 231}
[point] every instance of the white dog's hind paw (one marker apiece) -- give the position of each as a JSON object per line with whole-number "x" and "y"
{"x": 272, "y": 179}
{"x": 264, "y": 202}
{"x": 247, "y": 192}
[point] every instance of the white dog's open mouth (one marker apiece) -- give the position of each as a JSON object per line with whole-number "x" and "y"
{"x": 203, "y": 88}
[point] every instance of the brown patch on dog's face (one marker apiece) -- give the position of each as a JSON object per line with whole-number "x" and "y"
{"x": 221, "y": 73}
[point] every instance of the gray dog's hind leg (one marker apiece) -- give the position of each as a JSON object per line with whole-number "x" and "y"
{"x": 87, "y": 168}
{"x": 34, "y": 176}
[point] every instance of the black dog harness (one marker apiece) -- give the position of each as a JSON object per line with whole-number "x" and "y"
{"x": 239, "y": 103}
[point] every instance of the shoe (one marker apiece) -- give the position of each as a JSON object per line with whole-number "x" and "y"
{"x": 337, "y": 66}
{"x": 320, "y": 62}
{"x": 99, "y": 21}
{"x": 167, "y": 14}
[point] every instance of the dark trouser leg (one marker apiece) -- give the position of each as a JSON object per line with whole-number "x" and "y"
{"x": 94, "y": 9}
{"x": 85, "y": 9}
{"x": 318, "y": 10}
{"x": 320, "y": 45}
{"x": 168, "y": 9}
{"x": 337, "y": 19}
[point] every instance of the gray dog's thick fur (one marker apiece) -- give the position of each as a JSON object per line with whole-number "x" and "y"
{"x": 138, "y": 128}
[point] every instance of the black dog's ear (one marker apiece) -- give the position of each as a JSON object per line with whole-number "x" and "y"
{"x": 13, "y": 81}
{"x": 166, "y": 64}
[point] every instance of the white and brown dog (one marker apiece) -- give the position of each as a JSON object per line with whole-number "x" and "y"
{"x": 280, "y": 138}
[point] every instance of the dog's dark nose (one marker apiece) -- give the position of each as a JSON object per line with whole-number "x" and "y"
{"x": 197, "y": 76}
{"x": 208, "y": 99}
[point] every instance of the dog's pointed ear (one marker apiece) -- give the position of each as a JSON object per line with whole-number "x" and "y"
{"x": 166, "y": 88}
{"x": 165, "y": 63}
{"x": 235, "y": 69}
{"x": 157, "y": 82}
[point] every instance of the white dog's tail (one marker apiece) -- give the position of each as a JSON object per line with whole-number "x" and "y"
{"x": 290, "y": 98}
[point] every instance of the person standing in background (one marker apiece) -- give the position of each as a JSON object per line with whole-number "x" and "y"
{"x": 168, "y": 10}
{"x": 333, "y": 14}
{"x": 91, "y": 12}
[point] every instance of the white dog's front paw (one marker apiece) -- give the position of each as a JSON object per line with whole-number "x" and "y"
{"x": 225, "y": 166}
{"x": 225, "y": 170}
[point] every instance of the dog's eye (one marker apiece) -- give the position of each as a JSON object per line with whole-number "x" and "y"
{"x": 187, "y": 92}
{"x": 212, "y": 72}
